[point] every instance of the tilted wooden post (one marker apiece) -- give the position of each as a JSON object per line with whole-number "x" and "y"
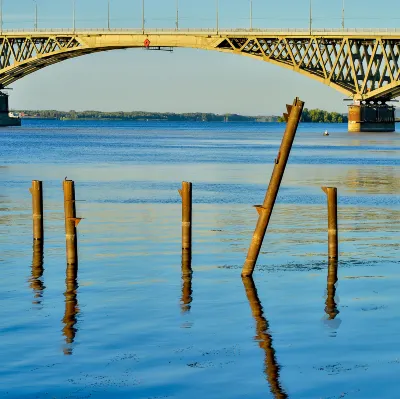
{"x": 331, "y": 193}
{"x": 265, "y": 211}
{"x": 37, "y": 210}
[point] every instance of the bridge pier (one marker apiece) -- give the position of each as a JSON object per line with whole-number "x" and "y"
{"x": 6, "y": 118}
{"x": 371, "y": 117}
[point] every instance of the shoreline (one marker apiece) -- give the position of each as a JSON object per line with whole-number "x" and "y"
{"x": 314, "y": 115}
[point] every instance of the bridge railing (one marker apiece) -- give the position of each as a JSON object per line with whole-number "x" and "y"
{"x": 326, "y": 31}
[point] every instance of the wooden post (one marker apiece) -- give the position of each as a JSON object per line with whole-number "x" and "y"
{"x": 71, "y": 242}
{"x": 71, "y": 222}
{"x": 265, "y": 211}
{"x": 186, "y": 194}
{"x": 37, "y": 210}
{"x": 264, "y": 339}
{"x": 331, "y": 193}
{"x": 69, "y": 200}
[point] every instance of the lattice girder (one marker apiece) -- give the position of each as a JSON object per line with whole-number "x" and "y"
{"x": 363, "y": 67}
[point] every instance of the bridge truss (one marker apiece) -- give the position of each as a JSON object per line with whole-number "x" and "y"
{"x": 365, "y": 67}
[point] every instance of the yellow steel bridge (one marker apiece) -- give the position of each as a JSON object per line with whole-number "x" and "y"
{"x": 362, "y": 64}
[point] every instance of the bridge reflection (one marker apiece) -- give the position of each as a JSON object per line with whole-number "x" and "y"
{"x": 264, "y": 338}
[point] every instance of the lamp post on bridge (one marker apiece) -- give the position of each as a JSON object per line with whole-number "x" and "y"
{"x": 108, "y": 14}
{"x": 217, "y": 15}
{"x": 73, "y": 16}
{"x": 343, "y": 16}
{"x": 177, "y": 15}
{"x": 36, "y": 16}
{"x": 143, "y": 21}
{"x": 251, "y": 14}
{"x": 310, "y": 17}
{"x": 1, "y": 16}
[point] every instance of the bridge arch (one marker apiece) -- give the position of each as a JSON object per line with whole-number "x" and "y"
{"x": 364, "y": 66}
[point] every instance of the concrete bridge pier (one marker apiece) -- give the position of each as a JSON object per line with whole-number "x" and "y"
{"x": 7, "y": 118}
{"x": 371, "y": 117}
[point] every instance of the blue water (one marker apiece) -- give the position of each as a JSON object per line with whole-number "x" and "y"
{"x": 134, "y": 328}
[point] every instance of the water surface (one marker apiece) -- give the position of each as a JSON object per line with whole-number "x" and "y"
{"x": 130, "y": 326}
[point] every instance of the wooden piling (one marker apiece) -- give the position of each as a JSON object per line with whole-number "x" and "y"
{"x": 71, "y": 302}
{"x": 71, "y": 242}
{"x": 69, "y": 200}
{"x": 37, "y": 210}
{"x": 186, "y": 195}
{"x": 331, "y": 193}
{"x": 265, "y": 211}
{"x": 71, "y": 222}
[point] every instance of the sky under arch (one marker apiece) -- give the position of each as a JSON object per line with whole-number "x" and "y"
{"x": 186, "y": 80}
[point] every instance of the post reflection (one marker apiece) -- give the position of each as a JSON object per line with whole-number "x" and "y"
{"x": 35, "y": 280}
{"x": 272, "y": 367}
{"x": 331, "y": 308}
{"x": 71, "y": 308}
{"x": 187, "y": 292}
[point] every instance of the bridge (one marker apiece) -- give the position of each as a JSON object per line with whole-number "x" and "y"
{"x": 362, "y": 64}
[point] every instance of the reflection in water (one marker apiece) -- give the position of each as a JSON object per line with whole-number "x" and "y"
{"x": 71, "y": 307}
{"x": 186, "y": 299}
{"x": 36, "y": 282}
{"x": 272, "y": 367}
{"x": 331, "y": 308}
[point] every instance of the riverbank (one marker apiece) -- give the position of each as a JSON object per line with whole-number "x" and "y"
{"x": 308, "y": 116}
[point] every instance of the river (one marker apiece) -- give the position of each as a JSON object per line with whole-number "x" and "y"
{"x": 134, "y": 328}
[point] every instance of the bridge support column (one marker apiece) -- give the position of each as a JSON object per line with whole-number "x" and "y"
{"x": 371, "y": 117}
{"x": 7, "y": 118}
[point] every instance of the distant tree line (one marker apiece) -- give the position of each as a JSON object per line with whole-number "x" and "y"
{"x": 319, "y": 116}
{"x": 137, "y": 115}
{"x": 314, "y": 115}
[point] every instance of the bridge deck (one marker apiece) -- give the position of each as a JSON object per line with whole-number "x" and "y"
{"x": 383, "y": 32}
